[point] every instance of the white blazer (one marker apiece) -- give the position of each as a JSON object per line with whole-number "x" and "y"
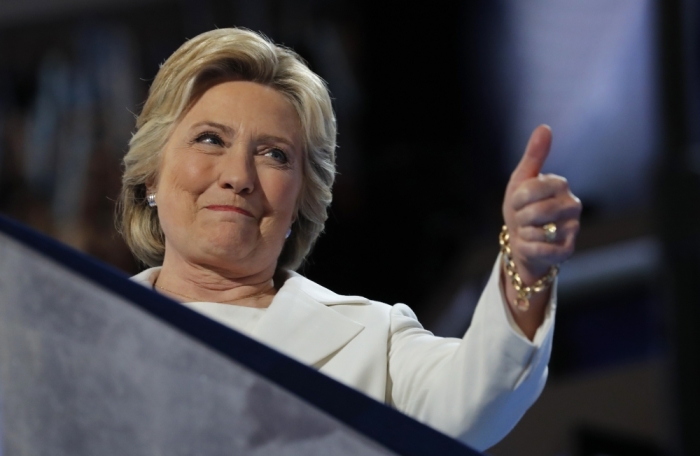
{"x": 475, "y": 388}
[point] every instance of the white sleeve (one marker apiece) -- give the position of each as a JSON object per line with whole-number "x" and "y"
{"x": 475, "y": 388}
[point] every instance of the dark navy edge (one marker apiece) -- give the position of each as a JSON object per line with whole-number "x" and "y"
{"x": 378, "y": 422}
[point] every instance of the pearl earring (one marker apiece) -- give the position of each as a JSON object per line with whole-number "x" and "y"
{"x": 289, "y": 232}
{"x": 151, "y": 198}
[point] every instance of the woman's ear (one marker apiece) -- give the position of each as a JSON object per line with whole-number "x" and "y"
{"x": 151, "y": 185}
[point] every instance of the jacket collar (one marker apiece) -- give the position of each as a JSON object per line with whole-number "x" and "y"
{"x": 300, "y": 321}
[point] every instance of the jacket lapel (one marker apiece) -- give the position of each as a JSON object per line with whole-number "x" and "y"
{"x": 300, "y": 323}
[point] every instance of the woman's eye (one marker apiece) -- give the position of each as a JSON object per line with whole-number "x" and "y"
{"x": 277, "y": 154}
{"x": 210, "y": 138}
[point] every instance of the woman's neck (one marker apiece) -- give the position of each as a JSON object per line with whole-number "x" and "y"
{"x": 189, "y": 282}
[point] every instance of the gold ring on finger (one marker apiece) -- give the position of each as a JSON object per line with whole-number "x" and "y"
{"x": 550, "y": 232}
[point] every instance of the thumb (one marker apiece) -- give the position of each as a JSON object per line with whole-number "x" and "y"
{"x": 535, "y": 155}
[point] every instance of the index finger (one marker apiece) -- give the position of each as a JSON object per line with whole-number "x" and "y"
{"x": 539, "y": 188}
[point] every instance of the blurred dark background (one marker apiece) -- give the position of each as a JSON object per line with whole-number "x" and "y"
{"x": 435, "y": 103}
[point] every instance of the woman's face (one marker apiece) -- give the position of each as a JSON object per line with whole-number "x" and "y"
{"x": 230, "y": 178}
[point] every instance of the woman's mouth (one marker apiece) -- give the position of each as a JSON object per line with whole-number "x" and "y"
{"x": 226, "y": 208}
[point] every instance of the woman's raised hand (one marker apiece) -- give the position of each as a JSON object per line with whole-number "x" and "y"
{"x": 534, "y": 200}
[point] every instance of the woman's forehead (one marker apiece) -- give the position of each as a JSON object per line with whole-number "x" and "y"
{"x": 243, "y": 104}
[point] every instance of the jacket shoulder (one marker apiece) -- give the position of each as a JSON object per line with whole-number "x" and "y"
{"x": 351, "y": 306}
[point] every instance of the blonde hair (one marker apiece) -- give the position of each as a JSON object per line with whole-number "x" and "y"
{"x": 196, "y": 66}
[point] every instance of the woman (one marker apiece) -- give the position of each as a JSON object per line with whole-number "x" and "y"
{"x": 226, "y": 187}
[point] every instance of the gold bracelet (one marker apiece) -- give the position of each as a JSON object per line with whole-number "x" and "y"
{"x": 522, "y": 302}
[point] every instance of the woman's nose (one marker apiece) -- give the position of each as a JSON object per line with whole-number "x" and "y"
{"x": 238, "y": 171}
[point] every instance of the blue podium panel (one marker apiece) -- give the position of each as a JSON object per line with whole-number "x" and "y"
{"x": 94, "y": 364}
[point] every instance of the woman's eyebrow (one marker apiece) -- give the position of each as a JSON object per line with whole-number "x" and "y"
{"x": 278, "y": 139}
{"x": 225, "y": 128}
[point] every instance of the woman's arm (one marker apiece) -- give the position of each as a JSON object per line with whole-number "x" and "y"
{"x": 475, "y": 388}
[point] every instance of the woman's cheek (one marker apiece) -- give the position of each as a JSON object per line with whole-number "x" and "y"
{"x": 189, "y": 176}
{"x": 192, "y": 175}
{"x": 286, "y": 186}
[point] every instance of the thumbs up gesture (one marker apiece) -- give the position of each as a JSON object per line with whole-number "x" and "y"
{"x": 531, "y": 202}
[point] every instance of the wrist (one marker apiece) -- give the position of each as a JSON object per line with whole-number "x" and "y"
{"x": 529, "y": 274}
{"x": 524, "y": 290}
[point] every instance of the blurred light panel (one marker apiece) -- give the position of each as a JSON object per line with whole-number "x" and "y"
{"x": 586, "y": 68}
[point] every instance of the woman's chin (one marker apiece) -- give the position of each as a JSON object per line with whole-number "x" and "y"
{"x": 226, "y": 252}
{"x": 228, "y": 241}
{"x": 236, "y": 257}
